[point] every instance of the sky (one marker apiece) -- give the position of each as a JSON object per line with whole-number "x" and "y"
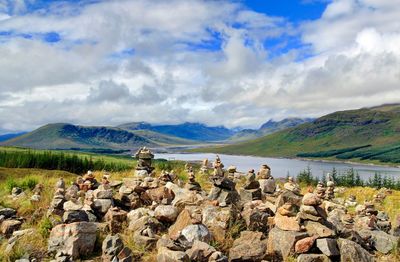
{"x": 232, "y": 63}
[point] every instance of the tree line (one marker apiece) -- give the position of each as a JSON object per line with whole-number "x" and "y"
{"x": 51, "y": 160}
{"x": 350, "y": 178}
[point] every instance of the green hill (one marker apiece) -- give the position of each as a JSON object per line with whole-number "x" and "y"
{"x": 371, "y": 134}
{"x": 67, "y": 136}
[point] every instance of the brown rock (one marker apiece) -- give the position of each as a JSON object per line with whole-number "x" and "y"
{"x": 304, "y": 245}
{"x": 286, "y": 223}
{"x": 249, "y": 247}
{"x": 184, "y": 219}
{"x": 311, "y": 199}
{"x": 9, "y": 226}
{"x": 315, "y": 228}
{"x": 115, "y": 219}
{"x": 281, "y": 243}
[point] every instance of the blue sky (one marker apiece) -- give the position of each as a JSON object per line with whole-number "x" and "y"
{"x": 233, "y": 63}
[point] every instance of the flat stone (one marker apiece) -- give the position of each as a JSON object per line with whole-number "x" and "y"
{"x": 286, "y": 223}
{"x": 247, "y": 195}
{"x": 184, "y": 219}
{"x": 166, "y": 255}
{"x": 311, "y": 199}
{"x": 75, "y": 216}
{"x": 9, "y": 226}
{"x": 200, "y": 251}
{"x": 382, "y": 241}
{"x": 166, "y": 213}
{"x": 315, "y": 228}
{"x": 103, "y": 194}
{"x": 288, "y": 197}
{"x": 249, "y": 247}
{"x": 72, "y": 206}
{"x": 328, "y": 246}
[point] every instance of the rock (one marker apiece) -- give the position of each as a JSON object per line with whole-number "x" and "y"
{"x": 165, "y": 241}
{"x": 267, "y": 186}
{"x": 103, "y": 194}
{"x": 304, "y": 245}
{"x": 102, "y": 205}
{"x": 223, "y": 183}
{"x": 286, "y": 223}
{"x": 309, "y": 210}
{"x": 328, "y": 246}
{"x": 9, "y": 226}
{"x": 166, "y": 213}
{"x": 16, "y": 191}
{"x": 381, "y": 241}
{"x": 249, "y": 247}
{"x": 315, "y": 228}
{"x": 196, "y": 232}
{"x": 8, "y": 212}
{"x": 184, "y": 219}
{"x": 125, "y": 255}
{"x": 166, "y": 255}
{"x": 257, "y": 220}
{"x": 73, "y": 239}
{"x": 161, "y": 195}
{"x": 115, "y": 219}
{"x": 218, "y": 219}
{"x": 57, "y": 203}
{"x": 281, "y": 243}
{"x": 72, "y": 206}
{"x": 311, "y": 199}
{"x": 353, "y": 252}
{"x": 313, "y": 258}
{"x": 146, "y": 242}
{"x": 288, "y": 210}
{"x": 288, "y": 197}
{"x": 75, "y": 216}
{"x": 111, "y": 247}
{"x": 200, "y": 251}
{"x": 247, "y": 195}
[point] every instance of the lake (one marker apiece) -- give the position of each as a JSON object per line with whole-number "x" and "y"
{"x": 281, "y": 167}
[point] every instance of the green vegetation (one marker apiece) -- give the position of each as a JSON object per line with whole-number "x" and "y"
{"x": 368, "y": 134}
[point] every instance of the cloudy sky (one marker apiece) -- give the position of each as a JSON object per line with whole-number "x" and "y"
{"x": 233, "y": 63}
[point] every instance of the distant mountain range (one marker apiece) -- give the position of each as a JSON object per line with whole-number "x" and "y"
{"x": 136, "y": 134}
{"x": 6, "y": 137}
{"x": 371, "y": 134}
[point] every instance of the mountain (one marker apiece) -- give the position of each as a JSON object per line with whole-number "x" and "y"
{"x": 371, "y": 134}
{"x": 268, "y": 128}
{"x": 191, "y": 131}
{"x": 6, "y": 137}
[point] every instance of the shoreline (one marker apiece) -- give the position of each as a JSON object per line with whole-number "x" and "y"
{"x": 300, "y": 159}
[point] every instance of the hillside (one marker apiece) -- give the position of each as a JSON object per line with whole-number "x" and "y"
{"x": 191, "y": 131}
{"x": 371, "y": 134}
{"x": 268, "y": 128}
{"x": 66, "y": 136}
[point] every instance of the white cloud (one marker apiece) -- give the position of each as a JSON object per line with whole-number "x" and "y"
{"x": 206, "y": 61}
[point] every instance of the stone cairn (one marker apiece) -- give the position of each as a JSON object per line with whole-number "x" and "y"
{"x": 144, "y": 157}
{"x": 204, "y": 166}
{"x": 181, "y": 222}
{"x": 330, "y": 190}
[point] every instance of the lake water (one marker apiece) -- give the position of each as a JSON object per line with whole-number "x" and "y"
{"x": 280, "y": 167}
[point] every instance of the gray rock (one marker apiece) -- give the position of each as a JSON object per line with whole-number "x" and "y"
{"x": 353, "y": 252}
{"x": 281, "y": 243}
{"x": 249, "y": 247}
{"x": 9, "y": 226}
{"x": 166, "y": 213}
{"x": 313, "y": 258}
{"x": 200, "y": 251}
{"x": 288, "y": 197}
{"x": 75, "y": 216}
{"x": 328, "y": 246}
{"x": 102, "y": 205}
{"x": 247, "y": 195}
{"x": 197, "y": 232}
{"x": 8, "y": 212}
{"x": 381, "y": 241}
{"x": 72, "y": 206}
{"x": 315, "y": 228}
{"x": 103, "y": 194}
{"x": 268, "y": 186}
{"x": 75, "y": 239}
{"x": 111, "y": 247}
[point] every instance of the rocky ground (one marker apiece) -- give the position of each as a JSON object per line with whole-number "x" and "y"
{"x": 216, "y": 215}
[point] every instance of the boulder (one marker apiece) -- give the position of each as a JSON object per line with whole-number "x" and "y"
{"x": 257, "y": 220}
{"x": 166, "y": 255}
{"x": 166, "y": 213}
{"x": 102, "y": 205}
{"x": 304, "y": 245}
{"x": 218, "y": 219}
{"x": 72, "y": 206}
{"x": 9, "y": 226}
{"x": 111, "y": 247}
{"x": 146, "y": 242}
{"x": 200, "y": 251}
{"x": 161, "y": 195}
{"x": 8, "y": 212}
{"x": 247, "y": 195}
{"x": 288, "y": 197}
{"x": 103, "y": 194}
{"x": 353, "y": 252}
{"x": 313, "y": 258}
{"x": 268, "y": 186}
{"x": 183, "y": 220}
{"x": 311, "y": 199}
{"x": 75, "y": 239}
{"x": 75, "y": 216}
{"x": 281, "y": 243}
{"x": 115, "y": 219}
{"x": 286, "y": 223}
{"x": 315, "y": 228}
{"x": 328, "y": 246}
{"x": 248, "y": 247}
{"x": 196, "y": 232}
{"x": 381, "y": 241}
